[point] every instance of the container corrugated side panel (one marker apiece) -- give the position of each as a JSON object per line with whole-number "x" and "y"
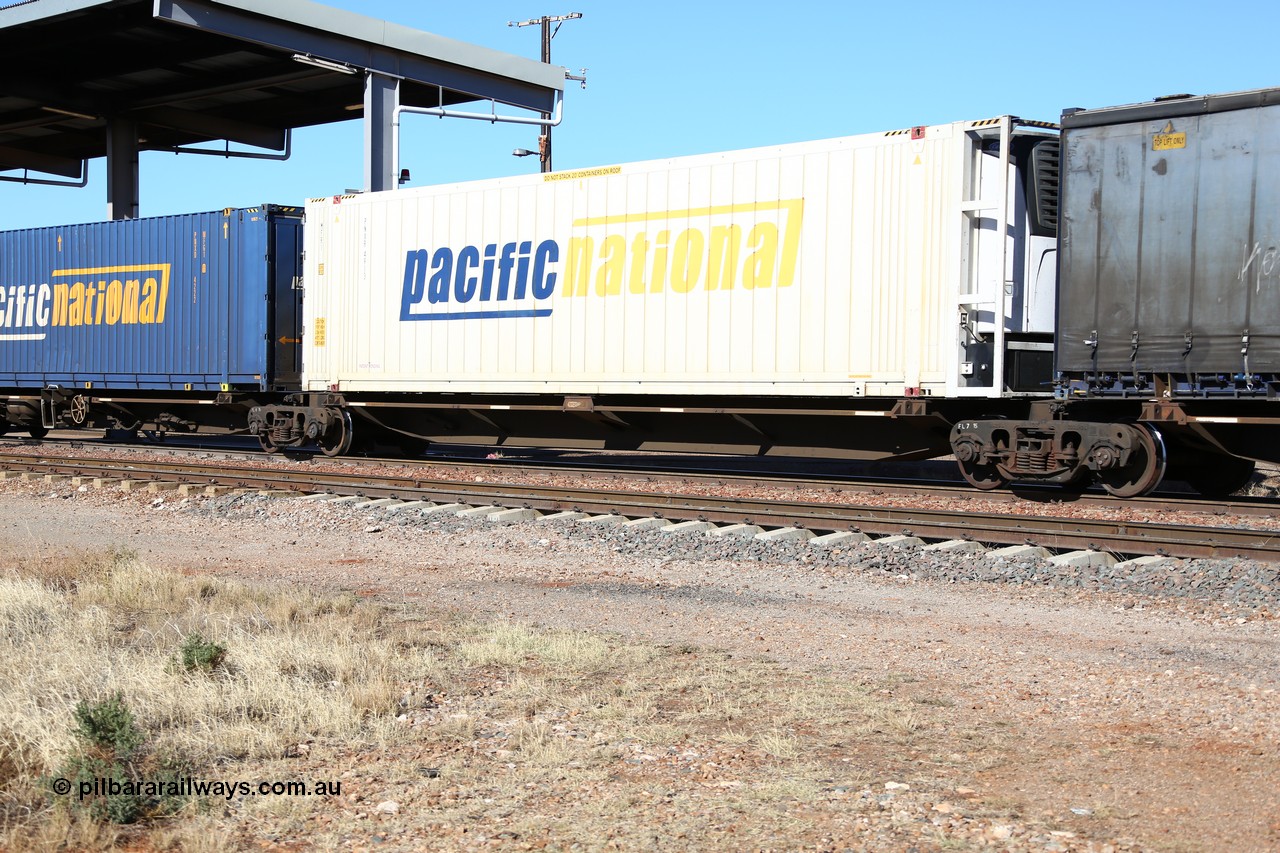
{"x": 827, "y": 268}
{"x": 1172, "y": 241}
{"x": 158, "y": 303}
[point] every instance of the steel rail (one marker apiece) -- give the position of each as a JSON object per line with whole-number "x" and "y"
{"x": 1261, "y": 507}
{"x": 1124, "y": 537}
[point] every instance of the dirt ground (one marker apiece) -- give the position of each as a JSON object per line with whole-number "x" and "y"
{"x": 1109, "y": 722}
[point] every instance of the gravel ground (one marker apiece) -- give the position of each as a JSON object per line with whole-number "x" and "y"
{"x": 1144, "y": 707}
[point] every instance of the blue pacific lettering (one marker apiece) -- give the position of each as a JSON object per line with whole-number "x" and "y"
{"x": 474, "y": 283}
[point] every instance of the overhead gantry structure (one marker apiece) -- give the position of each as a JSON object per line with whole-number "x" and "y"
{"x": 81, "y": 79}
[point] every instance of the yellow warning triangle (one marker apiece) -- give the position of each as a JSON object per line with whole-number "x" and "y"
{"x": 917, "y": 162}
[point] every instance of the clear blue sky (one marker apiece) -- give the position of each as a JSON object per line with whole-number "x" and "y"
{"x": 669, "y": 78}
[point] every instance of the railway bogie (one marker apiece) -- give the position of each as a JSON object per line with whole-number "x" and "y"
{"x": 302, "y": 420}
{"x": 1128, "y": 460}
{"x": 1127, "y": 447}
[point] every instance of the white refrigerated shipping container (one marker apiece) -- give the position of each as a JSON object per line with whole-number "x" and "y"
{"x": 869, "y": 265}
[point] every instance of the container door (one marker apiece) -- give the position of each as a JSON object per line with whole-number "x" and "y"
{"x": 1008, "y": 213}
{"x": 286, "y": 296}
{"x": 984, "y": 256}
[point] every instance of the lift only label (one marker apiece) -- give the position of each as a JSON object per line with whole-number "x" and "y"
{"x": 1167, "y": 140}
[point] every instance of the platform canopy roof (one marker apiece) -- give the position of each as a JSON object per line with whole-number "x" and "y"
{"x": 192, "y": 71}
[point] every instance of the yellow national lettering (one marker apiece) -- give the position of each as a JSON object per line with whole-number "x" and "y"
{"x": 658, "y": 277}
{"x": 791, "y": 245}
{"x": 83, "y": 301}
{"x": 164, "y": 297}
{"x": 60, "y": 307}
{"x": 722, "y": 257}
{"x": 723, "y": 247}
{"x": 614, "y": 254}
{"x": 686, "y": 261}
{"x": 75, "y": 309}
{"x": 129, "y": 303}
{"x": 100, "y": 304}
{"x": 114, "y": 301}
{"x": 578, "y": 270}
{"x": 759, "y": 267}
{"x": 639, "y": 251}
{"x": 150, "y": 294}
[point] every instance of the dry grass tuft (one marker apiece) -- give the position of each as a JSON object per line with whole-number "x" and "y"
{"x": 296, "y": 667}
{"x": 778, "y": 744}
{"x": 513, "y": 646}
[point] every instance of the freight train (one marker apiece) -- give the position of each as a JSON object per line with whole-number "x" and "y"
{"x": 1095, "y": 301}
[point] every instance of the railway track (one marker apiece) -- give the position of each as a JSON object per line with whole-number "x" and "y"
{"x": 1122, "y": 536}
{"x": 662, "y": 470}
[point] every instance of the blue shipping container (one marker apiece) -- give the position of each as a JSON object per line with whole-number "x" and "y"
{"x": 199, "y": 302}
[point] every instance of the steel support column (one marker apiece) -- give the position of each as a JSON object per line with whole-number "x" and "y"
{"x": 122, "y": 168}
{"x": 381, "y": 98}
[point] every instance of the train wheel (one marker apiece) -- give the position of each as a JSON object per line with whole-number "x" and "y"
{"x": 1225, "y": 476}
{"x": 984, "y": 477}
{"x": 37, "y": 432}
{"x": 1145, "y": 469}
{"x": 268, "y": 446}
{"x": 339, "y": 441}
